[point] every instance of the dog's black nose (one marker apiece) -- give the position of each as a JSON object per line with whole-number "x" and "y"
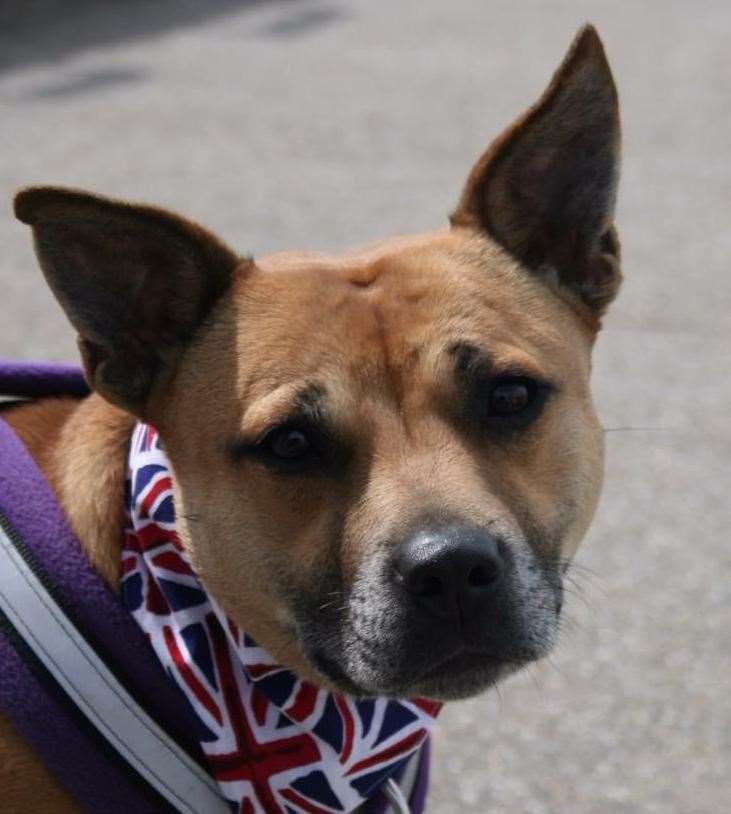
{"x": 450, "y": 571}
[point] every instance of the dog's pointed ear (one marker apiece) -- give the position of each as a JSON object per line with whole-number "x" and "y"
{"x": 545, "y": 189}
{"x": 135, "y": 282}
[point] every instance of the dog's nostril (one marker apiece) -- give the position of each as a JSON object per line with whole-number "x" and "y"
{"x": 482, "y": 575}
{"x": 430, "y": 586}
{"x": 421, "y": 583}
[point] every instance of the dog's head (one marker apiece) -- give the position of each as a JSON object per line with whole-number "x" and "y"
{"x": 384, "y": 460}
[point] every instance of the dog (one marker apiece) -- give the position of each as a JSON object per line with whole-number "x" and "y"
{"x": 385, "y": 459}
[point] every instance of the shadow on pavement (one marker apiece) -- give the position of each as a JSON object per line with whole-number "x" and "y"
{"x": 42, "y": 31}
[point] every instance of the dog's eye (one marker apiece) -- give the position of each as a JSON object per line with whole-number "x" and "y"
{"x": 513, "y": 402}
{"x": 288, "y": 448}
{"x": 509, "y": 396}
{"x": 288, "y": 443}
{"x": 294, "y": 446}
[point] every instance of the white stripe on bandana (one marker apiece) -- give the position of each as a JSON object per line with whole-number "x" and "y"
{"x": 273, "y": 741}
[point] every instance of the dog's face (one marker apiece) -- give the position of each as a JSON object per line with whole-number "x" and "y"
{"x": 384, "y": 460}
{"x": 425, "y": 394}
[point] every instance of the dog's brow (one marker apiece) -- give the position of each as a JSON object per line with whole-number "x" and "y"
{"x": 469, "y": 360}
{"x": 473, "y": 364}
{"x": 304, "y": 400}
{"x": 310, "y": 401}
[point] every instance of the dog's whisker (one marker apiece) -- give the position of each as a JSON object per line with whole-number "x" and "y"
{"x": 581, "y": 597}
{"x": 571, "y": 624}
{"x": 574, "y": 584}
{"x": 553, "y": 664}
{"x": 590, "y": 584}
{"x": 333, "y": 603}
{"x": 498, "y": 691}
{"x": 636, "y": 429}
{"x": 587, "y": 579}
{"x": 568, "y": 566}
{"x": 574, "y": 565}
{"x": 532, "y": 673}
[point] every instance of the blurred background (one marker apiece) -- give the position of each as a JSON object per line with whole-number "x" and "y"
{"x": 324, "y": 123}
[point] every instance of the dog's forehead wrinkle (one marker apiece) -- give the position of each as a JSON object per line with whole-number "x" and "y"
{"x": 386, "y": 310}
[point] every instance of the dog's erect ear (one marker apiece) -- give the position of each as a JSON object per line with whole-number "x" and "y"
{"x": 134, "y": 281}
{"x": 545, "y": 188}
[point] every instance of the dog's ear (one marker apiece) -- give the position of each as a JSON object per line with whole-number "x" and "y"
{"x": 545, "y": 189}
{"x": 134, "y": 281}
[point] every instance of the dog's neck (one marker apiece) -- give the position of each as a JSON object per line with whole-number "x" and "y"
{"x": 81, "y": 446}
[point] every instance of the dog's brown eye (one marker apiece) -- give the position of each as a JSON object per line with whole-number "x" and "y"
{"x": 509, "y": 398}
{"x": 291, "y": 447}
{"x": 289, "y": 444}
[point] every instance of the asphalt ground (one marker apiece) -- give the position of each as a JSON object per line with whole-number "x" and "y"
{"x": 320, "y": 124}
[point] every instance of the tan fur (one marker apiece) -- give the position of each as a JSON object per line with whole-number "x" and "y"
{"x": 375, "y": 330}
{"x": 89, "y": 470}
{"x": 38, "y": 424}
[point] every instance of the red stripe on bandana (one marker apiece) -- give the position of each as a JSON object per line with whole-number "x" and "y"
{"x": 260, "y": 670}
{"x": 348, "y": 726}
{"x": 171, "y": 561}
{"x": 304, "y": 704}
{"x": 430, "y": 707}
{"x": 128, "y": 564}
{"x": 152, "y": 536}
{"x": 189, "y": 676}
{"x": 402, "y": 747}
{"x": 148, "y": 501}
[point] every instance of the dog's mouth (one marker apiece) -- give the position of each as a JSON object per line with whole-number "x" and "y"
{"x": 463, "y": 673}
{"x": 382, "y": 641}
{"x": 335, "y": 674}
{"x": 384, "y": 646}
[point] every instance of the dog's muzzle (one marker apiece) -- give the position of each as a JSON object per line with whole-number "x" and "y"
{"x": 446, "y": 613}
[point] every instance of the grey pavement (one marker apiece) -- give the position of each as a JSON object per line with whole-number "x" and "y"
{"x": 323, "y": 123}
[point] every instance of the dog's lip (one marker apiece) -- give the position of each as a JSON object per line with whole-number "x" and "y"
{"x": 474, "y": 666}
{"x": 332, "y": 671}
{"x": 462, "y": 660}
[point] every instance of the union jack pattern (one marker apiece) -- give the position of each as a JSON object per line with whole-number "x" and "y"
{"x": 275, "y": 743}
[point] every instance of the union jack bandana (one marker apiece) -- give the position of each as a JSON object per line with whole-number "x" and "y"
{"x": 275, "y": 743}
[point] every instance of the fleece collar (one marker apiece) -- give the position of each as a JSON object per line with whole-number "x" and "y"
{"x": 273, "y": 741}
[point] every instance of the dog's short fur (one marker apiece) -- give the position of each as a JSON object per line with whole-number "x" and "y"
{"x": 386, "y": 359}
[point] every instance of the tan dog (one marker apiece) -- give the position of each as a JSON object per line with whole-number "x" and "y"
{"x": 384, "y": 459}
